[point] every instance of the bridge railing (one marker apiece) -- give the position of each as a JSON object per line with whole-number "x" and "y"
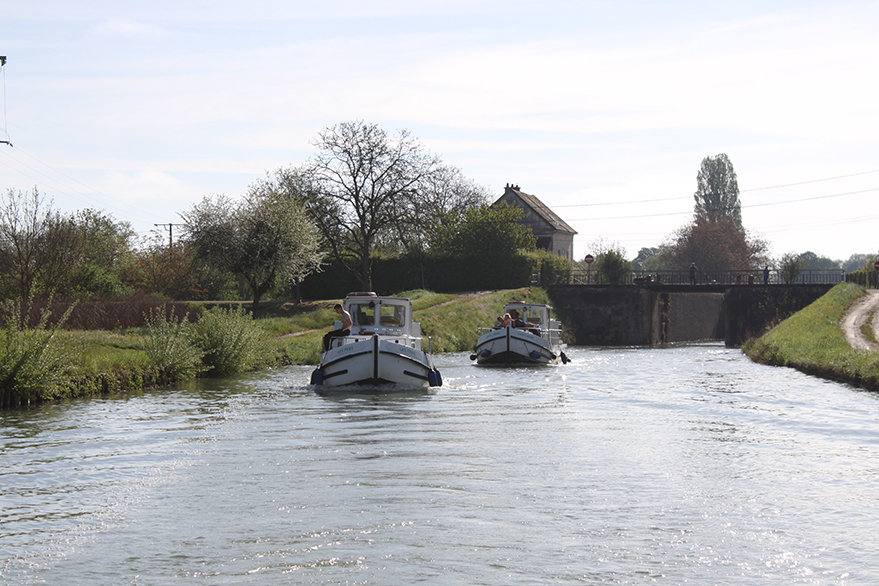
{"x": 757, "y": 277}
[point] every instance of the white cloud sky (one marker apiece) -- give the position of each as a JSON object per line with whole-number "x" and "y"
{"x": 142, "y": 109}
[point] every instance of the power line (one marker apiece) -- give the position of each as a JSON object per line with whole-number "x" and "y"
{"x": 755, "y": 205}
{"x": 679, "y": 198}
{"x": 69, "y": 189}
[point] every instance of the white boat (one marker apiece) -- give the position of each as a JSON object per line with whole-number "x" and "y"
{"x": 382, "y": 348}
{"x": 533, "y": 338}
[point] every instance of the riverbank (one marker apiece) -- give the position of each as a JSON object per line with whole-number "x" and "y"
{"x": 95, "y": 363}
{"x": 812, "y": 341}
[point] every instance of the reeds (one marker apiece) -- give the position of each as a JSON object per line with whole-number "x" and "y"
{"x": 34, "y": 361}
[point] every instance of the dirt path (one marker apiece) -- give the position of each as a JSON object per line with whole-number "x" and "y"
{"x": 864, "y": 310}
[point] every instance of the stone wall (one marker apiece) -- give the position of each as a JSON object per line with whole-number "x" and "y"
{"x": 628, "y": 315}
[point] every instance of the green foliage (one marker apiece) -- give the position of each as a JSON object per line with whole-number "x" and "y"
{"x": 62, "y": 255}
{"x": 230, "y": 340}
{"x": 790, "y": 266}
{"x": 717, "y": 191}
{"x": 489, "y": 230}
{"x": 720, "y": 245}
{"x": 813, "y": 262}
{"x": 169, "y": 346}
{"x": 267, "y": 239}
{"x": 34, "y": 363}
{"x": 551, "y": 269}
{"x": 613, "y": 266}
{"x": 811, "y": 341}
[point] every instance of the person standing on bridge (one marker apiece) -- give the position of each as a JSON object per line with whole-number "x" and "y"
{"x": 693, "y": 270}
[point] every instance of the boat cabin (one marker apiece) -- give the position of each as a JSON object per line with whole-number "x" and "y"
{"x": 535, "y": 315}
{"x": 537, "y": 319}
{"x": 386, "y": 316}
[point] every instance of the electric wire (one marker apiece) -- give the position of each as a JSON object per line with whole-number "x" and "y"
{"x": 67, "y": 189}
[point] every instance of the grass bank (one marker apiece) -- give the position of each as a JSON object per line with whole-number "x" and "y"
{"x": 99, "y": 362}
{"x": 812, "y": 342}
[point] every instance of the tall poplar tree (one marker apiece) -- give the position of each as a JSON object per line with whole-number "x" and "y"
{"x": 717, "y": 191}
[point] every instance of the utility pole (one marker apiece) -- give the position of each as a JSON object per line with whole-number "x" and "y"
{"x": 170, "y": 228}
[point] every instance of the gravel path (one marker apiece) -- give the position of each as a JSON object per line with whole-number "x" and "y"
{"x": 864, "y": 310}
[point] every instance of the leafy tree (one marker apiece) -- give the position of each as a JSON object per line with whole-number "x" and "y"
{"x": 717, "y": 191}
{"x": 265, "y": 239}
{"x": 813, "y": 262}
{"x": 484, "y": 230}
{"x": 610, "y": 262}
{"x": 38, "y": 246}
{"x": 43, "y": 252}
{"x": 103, "y": 247}
{"x": 443, "y": 196}
{"x": 858, "y": 261}
{"x": 644, "y": 255}
{"x": 790, "y": 266}
{"x": 365, "y": 190}
{"x": 157, "y": 267}
{"x": 720, "y": 245}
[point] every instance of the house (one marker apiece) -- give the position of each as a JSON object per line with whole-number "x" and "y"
{"x": 552, "y": 232}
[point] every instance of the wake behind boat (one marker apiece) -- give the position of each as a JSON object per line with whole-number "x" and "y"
{"x": 382, "y": 348}
{"x": 530, "y": 337}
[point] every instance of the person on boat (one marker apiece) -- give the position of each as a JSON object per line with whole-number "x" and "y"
{"x": 508, "y": 320}
{"x": 517, "y": 321}
{"x": 341, "y": 332}
{"x": 499, "y": 323}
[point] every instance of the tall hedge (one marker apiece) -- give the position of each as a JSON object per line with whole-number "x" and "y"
{"x": 444, "y": 274}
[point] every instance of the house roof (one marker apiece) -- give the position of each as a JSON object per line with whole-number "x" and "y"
{"x": 539, "y": 208}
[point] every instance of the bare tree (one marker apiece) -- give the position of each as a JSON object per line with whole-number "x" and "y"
{"x": 365, "y": 190}
{"x": 37, "y": 245}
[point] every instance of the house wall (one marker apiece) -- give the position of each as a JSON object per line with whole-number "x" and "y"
{"x": 555, "y": 242}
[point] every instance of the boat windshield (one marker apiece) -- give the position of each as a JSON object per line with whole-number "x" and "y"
{"x": 393, "y": 315}
{"x": 533, "y": 315}
{"x": 363, "y": 314}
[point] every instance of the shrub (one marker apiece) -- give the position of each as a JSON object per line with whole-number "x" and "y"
{"x": 35, "y": 362}
{"x": 169, "y": 346}
{"x": 230, "y": 340}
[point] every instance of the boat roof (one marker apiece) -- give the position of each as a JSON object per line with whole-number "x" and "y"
{"x": 369, "y": 295}
{"x": 526, "y": 304}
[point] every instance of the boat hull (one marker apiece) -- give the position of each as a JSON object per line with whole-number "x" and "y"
{"x": 509, "y": 346}
{"x": 375, "y": 361}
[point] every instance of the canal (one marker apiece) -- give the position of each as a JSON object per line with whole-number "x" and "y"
{"x": 674, "y": 465}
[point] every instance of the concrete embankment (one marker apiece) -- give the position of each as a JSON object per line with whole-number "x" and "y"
{"x": 650, "y": 315}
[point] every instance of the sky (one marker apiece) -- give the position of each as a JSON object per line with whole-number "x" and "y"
{"x": 603, "y": 110}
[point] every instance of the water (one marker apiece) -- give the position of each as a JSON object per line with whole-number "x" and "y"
{"x": 686, "y": 465}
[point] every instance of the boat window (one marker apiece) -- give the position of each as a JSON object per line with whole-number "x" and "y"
{"x": 393, "y": 315}
{"x": 363, "y": 314}
{"x": 532, "y": 315}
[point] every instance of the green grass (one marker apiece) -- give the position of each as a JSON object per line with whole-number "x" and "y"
{"x": 811, "y": 341}
{"x": 453, "y": 327}
{"x": 105, "y": 362}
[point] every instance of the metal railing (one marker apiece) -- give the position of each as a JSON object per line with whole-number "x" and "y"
{"x": 756, "y": 277}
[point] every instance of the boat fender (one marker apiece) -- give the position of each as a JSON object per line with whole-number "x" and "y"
{"x": 434, "y": 378}
{"x": 534, "y": 354}
{"x": 317, "y": 377}
{"x": 485, "y": 353}
{"x": 473, "y": 357}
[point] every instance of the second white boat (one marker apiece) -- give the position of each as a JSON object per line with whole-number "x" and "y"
{"x": 531, "y": 337}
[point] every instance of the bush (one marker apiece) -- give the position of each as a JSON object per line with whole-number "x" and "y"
{"x": 230, "y": 340}
{"x": 169, "y": 346}
{"x": 34, "y": 364}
